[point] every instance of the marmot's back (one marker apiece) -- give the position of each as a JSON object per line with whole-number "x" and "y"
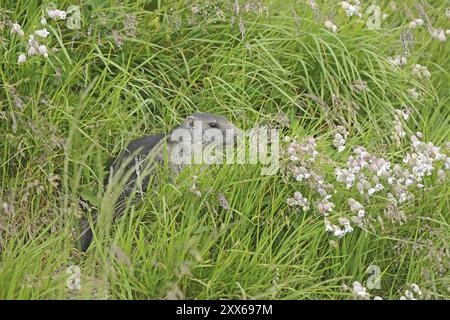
{"x": 140, "y": 147}
{"x": 144, "y": 144}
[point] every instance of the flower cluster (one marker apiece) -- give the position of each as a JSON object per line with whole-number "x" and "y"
{"x": 415, "y": 23}
{"x": 337, "y": 231}
{"x": 373, "y": 174}
{"x": 118, "y": 38}
{"x": 421, "y": 71}
{"x": 34, "y": 45}
{"x": 303, "y": 162}
{"x": 421, "y": 159}
{"x": 357, "y": 208}
{"x": 359, "y": 292}
{"x": 298, "y": 200}
{"x": 324, "y": 205}
{"x": 398, "y": 126}
{"x": 56, "y": 14}
{"x": 369, "y": 174}
{"x": 351, "y": 9}
{"x": 398, "y": 61}
{"x": 439, "y": 34}
{"x": 412, "y": 92}
{"x": 35, "y": 48}
{"x": 258, "y": 7}
{"x": 42, "y": 33}
{"x": 204, "y": 13}
{"x": 303, "y": 166}
{"x": 339, "y": 138}
{"x": 305, "y": 153}
{"x": 362, "y": 162}
{"x": 17, "y": 29}
{"x": 409, "y": 294}
{"x": 330, "y": 26}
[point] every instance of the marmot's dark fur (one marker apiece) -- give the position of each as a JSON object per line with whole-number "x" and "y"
{"x": 139, "y": 157}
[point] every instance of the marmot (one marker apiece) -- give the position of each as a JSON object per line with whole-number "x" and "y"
{"x": 136, "y": 163}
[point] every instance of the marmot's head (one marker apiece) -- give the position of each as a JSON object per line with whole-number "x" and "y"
{"x": 210, "y": 127}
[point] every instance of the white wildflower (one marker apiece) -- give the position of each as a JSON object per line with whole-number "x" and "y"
{"x": 33, "y": 46}
{"x": 421, "y": 71}
{"x": 22, "y": 58}
{"x": 398, "y": 61}
{"x": 346, "y": 224}
{"x": 330, "y": 26}
{"x": 17, "y": 29}
{"x": 195, "y": 9}
{"x": 43, "y": 50}
{"x": 359, "y": 292}
{"x": 378, "y": 185}
{"x": 356, "y": 207}
{"x": 351, "y": 9}
{"x": 381, "y": 167}
{"x": 404, "y": 113}
{"x": 339, "y": 142}
{"x": 339, "y": 233}
{"x": 32, "y": 51}
{"x": 42, "y": 33}
{"x": 398, "y": 127}
{"x": 339, "y": 138}
{"x": 415, "y": 23}
{"x": 328, "y": 226}
{"x": 416, "y": 289}
{"x": 56, "y": 14}
{"x": 413, "y": 93}
{"x": 298, "y": 200}
{"x": 344, "y": 175}
{"x": 441, "y": 175}
{"x": 409, "y": 295}
{"x": 439, "y": 34}
{"x": 325, "y": 206}
{"x": 447, "y": 163}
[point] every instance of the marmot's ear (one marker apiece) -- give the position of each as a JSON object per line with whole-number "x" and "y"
{"x": 190, "y": 120}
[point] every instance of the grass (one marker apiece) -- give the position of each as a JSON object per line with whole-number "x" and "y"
{"x": 64, "y": 116}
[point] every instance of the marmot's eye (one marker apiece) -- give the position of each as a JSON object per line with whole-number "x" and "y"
{"x": 213, "y": 124}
